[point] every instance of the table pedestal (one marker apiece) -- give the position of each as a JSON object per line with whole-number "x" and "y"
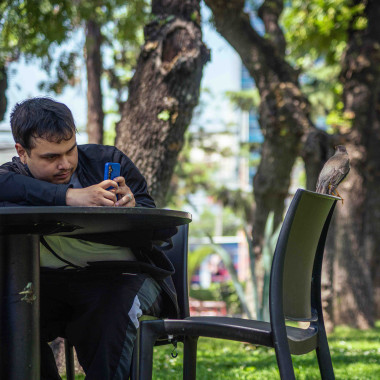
{"x": 20, "y": 307}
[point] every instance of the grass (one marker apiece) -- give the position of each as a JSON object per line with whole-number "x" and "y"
{"x": 355, "y": 355}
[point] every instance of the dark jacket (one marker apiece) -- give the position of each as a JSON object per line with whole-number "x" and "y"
{"x": 19, "y": 188}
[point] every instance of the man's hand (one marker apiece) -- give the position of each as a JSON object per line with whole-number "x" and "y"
{"x": 126, "y": 198}
{"x": 95, "y": 195}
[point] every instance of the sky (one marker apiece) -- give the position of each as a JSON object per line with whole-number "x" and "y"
{"x": 220, "y": 75}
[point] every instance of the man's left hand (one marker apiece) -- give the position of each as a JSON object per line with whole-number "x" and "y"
{"x": 126, "y": 198}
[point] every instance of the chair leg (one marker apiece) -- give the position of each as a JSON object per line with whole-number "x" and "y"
{"x": 69, "y": 356}
{"x": 135, "y": 359}
{"x": 324, "y": 358}
{"x": 145, "y": 352}
{"x": 284, "y": 361}
{"x": 190, "y": 357}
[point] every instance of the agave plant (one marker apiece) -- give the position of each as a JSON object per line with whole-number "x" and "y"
{"x": 270, "y": 239}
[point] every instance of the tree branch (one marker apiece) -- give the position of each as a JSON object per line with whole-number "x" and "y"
{"x": 258, "y": 54}
{"x": 269, "y": 12}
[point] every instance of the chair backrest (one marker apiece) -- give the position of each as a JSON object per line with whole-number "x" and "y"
{"x": 178, "y": 256}
{"x": 297, "y": 261}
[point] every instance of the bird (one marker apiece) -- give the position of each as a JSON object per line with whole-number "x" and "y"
{"x": 334, "y": 171}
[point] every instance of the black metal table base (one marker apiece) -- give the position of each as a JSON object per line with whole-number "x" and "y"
{"x": 20, "y": 300}
{"x": 20, "y": 228}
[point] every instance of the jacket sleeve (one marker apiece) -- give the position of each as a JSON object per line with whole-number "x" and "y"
{"x": 134, "y": 180}
{"x": 24, "y": 190}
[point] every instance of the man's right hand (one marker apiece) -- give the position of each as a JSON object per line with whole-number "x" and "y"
{"x": 95, "y": 195}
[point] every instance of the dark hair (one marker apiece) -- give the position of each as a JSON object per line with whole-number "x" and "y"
{"x": 41, "y": 117}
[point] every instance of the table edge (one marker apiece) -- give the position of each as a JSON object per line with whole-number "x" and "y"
{"x": 94, "y": 210}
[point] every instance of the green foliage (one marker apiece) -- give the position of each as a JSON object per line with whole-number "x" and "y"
{"x": 211, "y": 293}
{"x": 239, "y": 201}
{"x": 318, "y": 28}
{"x": 193, "y": 175}
{"x": 227, "y": 261}
{"x": 109, "y": 136}
{"x": 32, "y": 27}
{"x": 219, "y": 292}
{"x": 195, "y": 17}
{"x": 123, "y": 35}
{"x": 189, "y": 175}
{"x": 164, "y": 115}
{"x": 320, "y": 85}
{"x": 338, "y": 120}
{"x": 316, "y": 35}
{"x": 245, "y": 100}
{"x": 269, "y": 245}
{"x": 65, "y": 72}
{"x": 196, "y": 257}
{"x": 196, "y": 170}
{"x": 205, "y": 223}
{"x": 231, "y": 222}
{"x": 228, "y": 294}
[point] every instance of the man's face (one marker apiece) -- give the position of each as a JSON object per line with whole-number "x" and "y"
{"x": 50, "y": 161}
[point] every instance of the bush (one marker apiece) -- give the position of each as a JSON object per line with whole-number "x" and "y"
{"x": 219, "y": 292}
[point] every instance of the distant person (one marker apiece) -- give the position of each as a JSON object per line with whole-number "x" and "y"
{"x": 96, "y": 307}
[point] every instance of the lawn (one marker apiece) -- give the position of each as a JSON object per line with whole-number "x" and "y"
{"x": 355, "y": 355}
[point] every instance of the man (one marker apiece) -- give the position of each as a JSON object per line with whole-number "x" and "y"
{"x": 96, "y": 307}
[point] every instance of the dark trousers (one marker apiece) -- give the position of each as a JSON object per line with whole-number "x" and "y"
{"x": 98, "y": 314}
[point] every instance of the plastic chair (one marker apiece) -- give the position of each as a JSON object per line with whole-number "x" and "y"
{"x": 295, "y": 294}
{"x": 177, "y": 254}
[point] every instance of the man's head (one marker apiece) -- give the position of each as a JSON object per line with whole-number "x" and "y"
{"x": 44, "y": 132}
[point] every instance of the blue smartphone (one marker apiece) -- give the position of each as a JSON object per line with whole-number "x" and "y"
{"x": 111, "y": 171}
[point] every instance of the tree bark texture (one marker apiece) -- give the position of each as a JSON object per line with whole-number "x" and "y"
{"x": 163, "y": 92}
{"x": 283, "y": 111}
{"x": 3, "y": 88}
{"x": 357, "y": 275}
{"x": 95, "y": 114}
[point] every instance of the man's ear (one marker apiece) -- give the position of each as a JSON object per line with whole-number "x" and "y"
{"x": 21, "y": 151}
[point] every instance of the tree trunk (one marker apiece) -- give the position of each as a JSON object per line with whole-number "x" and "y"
{"x": 3, "y": 88}
{"x": 317, "y": 148}
{"x": 375, "y": 259}
{"x": 373, "y": 153}
{"x": 283, "y": 112}
{"x": 163, "y": 92}
{"x": 95, "y": 114}
{"x": 358, "y": 222}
